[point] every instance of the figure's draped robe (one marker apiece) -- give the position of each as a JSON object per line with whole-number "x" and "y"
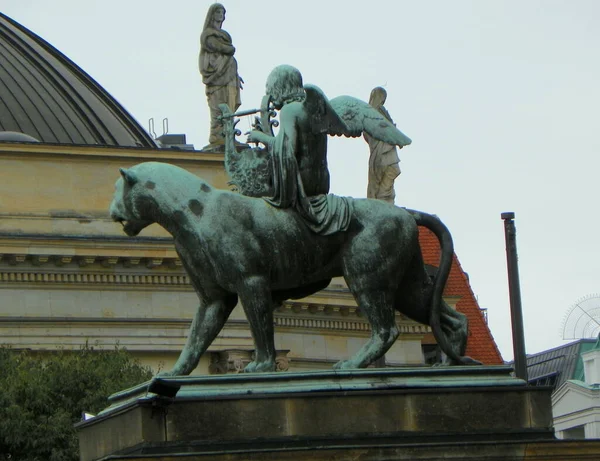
{"x": 324, "y": 214}
{"x": 384, "y": 165}
{"x": 219, "y": 73}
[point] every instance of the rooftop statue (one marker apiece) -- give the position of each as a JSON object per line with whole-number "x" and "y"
{"x": 383, "y": 161}
{"x": 234, "y": 246}
{"x": 298, "y": 176}
{"x": 219, "y": 71}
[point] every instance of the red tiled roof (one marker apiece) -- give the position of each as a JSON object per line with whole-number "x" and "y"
{"x": 480, "y": 345}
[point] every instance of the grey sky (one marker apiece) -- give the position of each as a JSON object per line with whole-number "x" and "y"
{"x": 500, "y": 98}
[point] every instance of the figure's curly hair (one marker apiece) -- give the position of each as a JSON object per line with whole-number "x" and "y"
{"x": 284, "y": 84}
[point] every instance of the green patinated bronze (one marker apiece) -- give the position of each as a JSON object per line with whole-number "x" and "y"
{"x": 233, "y": 246}
{"x": 285, "y": 237}
{"x": 292, "y": 169}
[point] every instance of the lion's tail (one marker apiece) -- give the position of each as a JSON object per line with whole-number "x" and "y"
{"x": 435, "y": 225}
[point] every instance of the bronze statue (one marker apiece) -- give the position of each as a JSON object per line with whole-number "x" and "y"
{"x": 298, "y": 154}
{"x": 236, "y": 246}
{"x": 219, "y": 71}
{"x": 285, "y": 237}
{"x": 383, "y": 161}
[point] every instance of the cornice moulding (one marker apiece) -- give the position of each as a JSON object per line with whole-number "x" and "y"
{"x": 44, "y": 244}
{"x": 131, "y": 154}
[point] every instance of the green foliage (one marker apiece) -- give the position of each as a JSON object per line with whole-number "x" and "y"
{"x": 42, "y": 396}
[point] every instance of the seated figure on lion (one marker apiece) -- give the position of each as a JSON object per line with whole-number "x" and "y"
{"x": 284, "y": 237}
{"x": 292, "y": 171}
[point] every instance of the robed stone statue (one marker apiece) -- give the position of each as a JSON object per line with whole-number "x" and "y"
{"x": 219, "y": 71}
{"x": 384, "y": 165}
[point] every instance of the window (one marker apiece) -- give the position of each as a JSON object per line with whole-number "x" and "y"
{"x": 577, "y": 432}
{"x": 431, "y": 354}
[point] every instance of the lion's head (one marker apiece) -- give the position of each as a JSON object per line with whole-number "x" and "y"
{"x": 127, "y": 204}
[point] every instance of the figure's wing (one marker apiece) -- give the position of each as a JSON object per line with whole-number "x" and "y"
{"x": 359, "y": 116}
{"x": 324, "y": 119}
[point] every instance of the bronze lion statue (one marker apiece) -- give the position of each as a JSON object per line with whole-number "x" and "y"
{"x": 233, "y": 246}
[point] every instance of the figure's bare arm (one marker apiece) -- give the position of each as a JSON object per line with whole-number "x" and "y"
{"x": 259, "y": 136}
{"x": 288, "y": 120}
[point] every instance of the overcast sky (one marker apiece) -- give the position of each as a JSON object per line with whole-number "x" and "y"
{"x": 501, "y": 99}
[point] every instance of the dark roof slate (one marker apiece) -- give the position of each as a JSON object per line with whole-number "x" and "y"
{"x": 46, "y": 95}
{"x": 562, "y": 362}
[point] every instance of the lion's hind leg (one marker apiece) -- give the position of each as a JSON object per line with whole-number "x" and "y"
{"x": 456, "y": 328}
{"x": 372, "y": 268}
{"x": 413, "y": 299}
{"x": 377, "y": 306}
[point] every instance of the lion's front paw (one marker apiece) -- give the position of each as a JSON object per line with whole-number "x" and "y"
{"x": 345, "y": 365}
{"x": 260, "y": 367}
{"x": 165, "y": 374}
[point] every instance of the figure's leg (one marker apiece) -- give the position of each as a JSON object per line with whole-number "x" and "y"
{"x": 216, "y": 95}
{"x": 374, "y": 177}
{"x": 233, "y": 96}
{"x": 258, "y": 305}
{"x": 208, "y": 322}
{"x": 386, "y": 190}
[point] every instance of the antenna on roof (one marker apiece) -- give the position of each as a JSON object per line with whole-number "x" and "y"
{"x": 171, "y": 141}
{"x": 582, "y": 320}
{"x": 151, "y": 127}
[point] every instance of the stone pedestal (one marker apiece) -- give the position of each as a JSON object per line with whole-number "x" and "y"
{"x": 386, "y": 414}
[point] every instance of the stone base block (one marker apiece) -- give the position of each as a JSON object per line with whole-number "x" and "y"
{"x": 388, "y": 414}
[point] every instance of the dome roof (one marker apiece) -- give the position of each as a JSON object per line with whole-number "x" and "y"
{"x": 45, "y": 95}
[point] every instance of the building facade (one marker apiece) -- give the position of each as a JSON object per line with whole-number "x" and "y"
{"x": 573, "y": 370}
{"x": 68, "y": 274}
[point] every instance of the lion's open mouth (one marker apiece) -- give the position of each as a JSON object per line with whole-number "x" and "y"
{"x": 130, "y": 228}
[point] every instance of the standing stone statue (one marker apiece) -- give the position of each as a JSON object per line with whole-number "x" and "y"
{"x": 384, "y": 165}
{"x": 219, "y": 71}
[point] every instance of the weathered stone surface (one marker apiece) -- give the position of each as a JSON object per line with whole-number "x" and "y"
{"x": 346, "y": 415}
{"x": 134, "y": 426}
{"x": 65, "y": 190}
{"x": 552, "y": 450}
{"x": 219, "y": 71}
{"x": 383, "y": 161}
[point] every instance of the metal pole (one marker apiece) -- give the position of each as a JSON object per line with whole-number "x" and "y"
{"x": 514, "y": 289}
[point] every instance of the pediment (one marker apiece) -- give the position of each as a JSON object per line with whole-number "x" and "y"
{"x": 574, "y": 396}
